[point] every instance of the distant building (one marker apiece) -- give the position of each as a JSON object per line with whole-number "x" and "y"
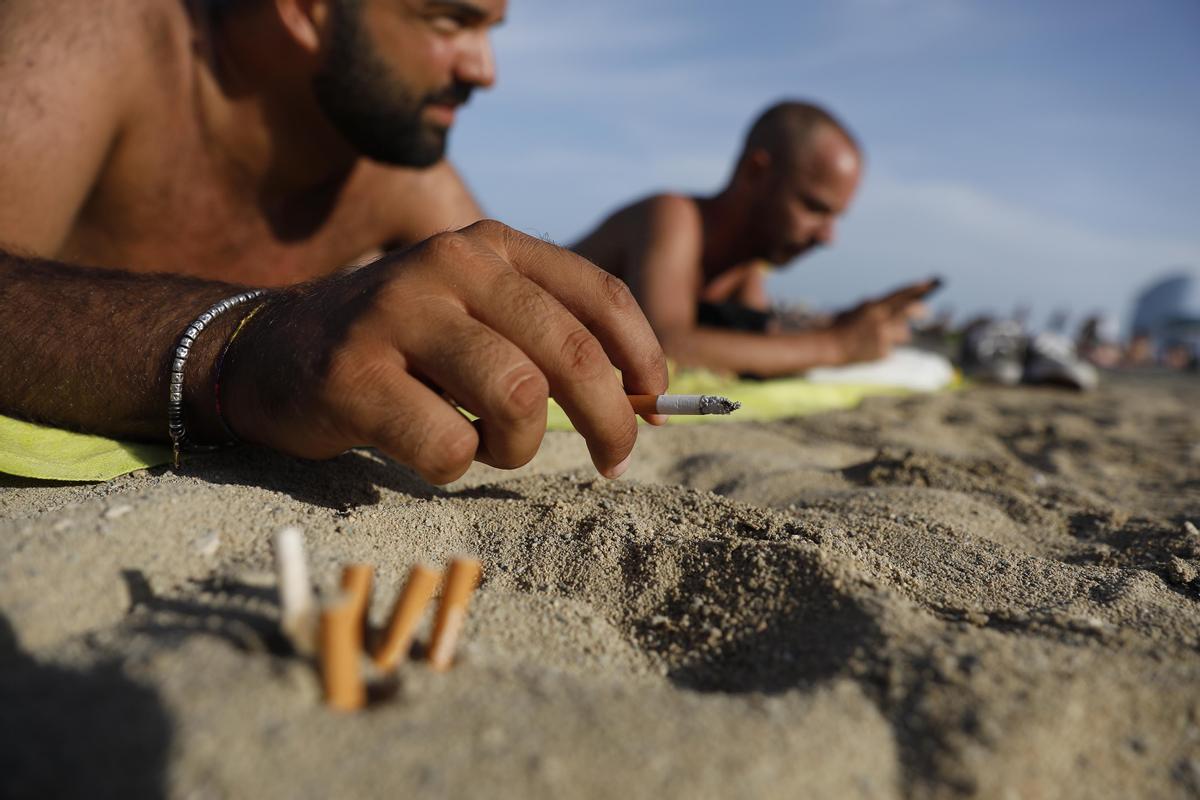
{"x": 1168, "y": 312}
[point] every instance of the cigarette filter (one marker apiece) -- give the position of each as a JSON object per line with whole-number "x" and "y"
{"x": 356, "y": 584}
{"x": 461, "y": 580}
{"x": 406, "y": 614}
{"x": 341, "y": 655}
{"x": 297, "y": 606}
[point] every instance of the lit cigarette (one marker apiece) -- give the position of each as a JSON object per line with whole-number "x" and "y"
{"x": 297, "y": 607}
{"x": 410, "y": 605}
{"x": 461, "y": 580}
{"x": 691, "y": 404}
{"x": 341, "y": 654}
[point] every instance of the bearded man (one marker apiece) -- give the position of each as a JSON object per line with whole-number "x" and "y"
{"x": 165, "y": 161}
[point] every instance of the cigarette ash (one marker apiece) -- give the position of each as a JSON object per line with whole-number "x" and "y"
{"x": 711, "y": 404}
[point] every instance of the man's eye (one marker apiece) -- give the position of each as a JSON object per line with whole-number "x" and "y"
{"x": 814, "y": 206}
{"x": 445, "y": 23}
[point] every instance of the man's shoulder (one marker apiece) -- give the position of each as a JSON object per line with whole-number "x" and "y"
{"x": 672, "y": 216}
{"x": 40, "y": 34}
{"x": 657, "y": 215}
{"x": 671, "y": 207}
{"x": 659, "y": 222}
{"x": 82, "y": 83}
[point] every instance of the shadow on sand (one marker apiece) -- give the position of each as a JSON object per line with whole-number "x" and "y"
{"x": 343, "y": 483}
{"x": 77, "y": 733}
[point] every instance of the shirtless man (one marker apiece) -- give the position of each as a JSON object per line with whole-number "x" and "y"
{"x": 796, "y": 175}
{"x": 262, "y": 143}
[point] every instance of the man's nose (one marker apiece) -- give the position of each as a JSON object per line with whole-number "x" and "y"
{"x": 477, "y": 65}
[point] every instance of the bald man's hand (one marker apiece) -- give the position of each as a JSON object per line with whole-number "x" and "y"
{"x": 871, "y": 329}
{"x": 496, "y": 320}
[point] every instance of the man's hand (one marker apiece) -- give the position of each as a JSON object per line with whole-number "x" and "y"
{"x": 489, "y": 317}
{"x": 871, "y": 329}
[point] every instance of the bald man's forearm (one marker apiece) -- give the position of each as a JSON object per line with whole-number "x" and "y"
{"x": 753, "y": 353}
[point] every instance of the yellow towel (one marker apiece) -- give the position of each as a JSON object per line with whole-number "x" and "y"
{"x": 36, "y": 451}
{"x": 761, "y": 400}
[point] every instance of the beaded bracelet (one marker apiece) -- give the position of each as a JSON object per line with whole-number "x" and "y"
{"x": 182, "y": 350}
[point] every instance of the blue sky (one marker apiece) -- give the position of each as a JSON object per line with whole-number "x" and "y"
{"x": 1040, "y": 153}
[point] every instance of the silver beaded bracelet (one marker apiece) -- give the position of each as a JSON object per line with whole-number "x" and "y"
{"x": 182, "y": 350}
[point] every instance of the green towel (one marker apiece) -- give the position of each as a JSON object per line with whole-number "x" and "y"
{"x": 36, "y": 451}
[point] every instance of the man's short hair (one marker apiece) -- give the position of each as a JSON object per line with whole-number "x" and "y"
{"x": 786, "y": 128}
{"x": 219, "y": 7}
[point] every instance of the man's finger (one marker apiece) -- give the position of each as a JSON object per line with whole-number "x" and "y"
{"x": 487, "y": 375}
{"x": 602, "y": 302}
{"x": 899, "y": 331}
{"x": 580, "y": 375}
{"x": 906, "y": 295}
{"x": 917, "y": 310}
{"x": 395, "y": 412}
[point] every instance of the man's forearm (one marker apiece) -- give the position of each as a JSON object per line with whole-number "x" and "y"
{"x": 90, "y": 349}
{"x": 753, "y": 353}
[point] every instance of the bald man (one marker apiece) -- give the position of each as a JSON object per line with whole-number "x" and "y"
{"x": 697, "y": 265}
{"x": 161, "y": 157}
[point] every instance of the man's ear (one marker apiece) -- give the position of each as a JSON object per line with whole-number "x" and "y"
{"x": 758, "y": 163}
{"x": 306, "y": 20}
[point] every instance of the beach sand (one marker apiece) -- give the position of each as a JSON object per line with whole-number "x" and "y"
{"x": 984, "y": 593}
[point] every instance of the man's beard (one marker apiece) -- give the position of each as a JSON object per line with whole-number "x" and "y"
{"x": 370, "y": 108}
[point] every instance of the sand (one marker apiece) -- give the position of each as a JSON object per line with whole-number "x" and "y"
{"x": 989, "y": 593}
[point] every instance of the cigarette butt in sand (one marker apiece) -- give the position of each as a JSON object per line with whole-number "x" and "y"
{"x": 356, "y": 584}
{"x": 410, "y": 605}
{"x": 461, "y": 580}
{"x": 340, "y": 640}
{"x": 297, "y": 606}
{"x": 690, "y": 404}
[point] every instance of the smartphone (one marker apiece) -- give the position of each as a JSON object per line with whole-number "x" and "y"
{"x": 934, "y": 284}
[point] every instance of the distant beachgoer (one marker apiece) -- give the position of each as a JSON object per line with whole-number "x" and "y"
{"x": 197, "y": 150}
{"x": 1098, "y": 341}
{"x": 1140, "y": 350}
{"x": 698, "y": 265}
